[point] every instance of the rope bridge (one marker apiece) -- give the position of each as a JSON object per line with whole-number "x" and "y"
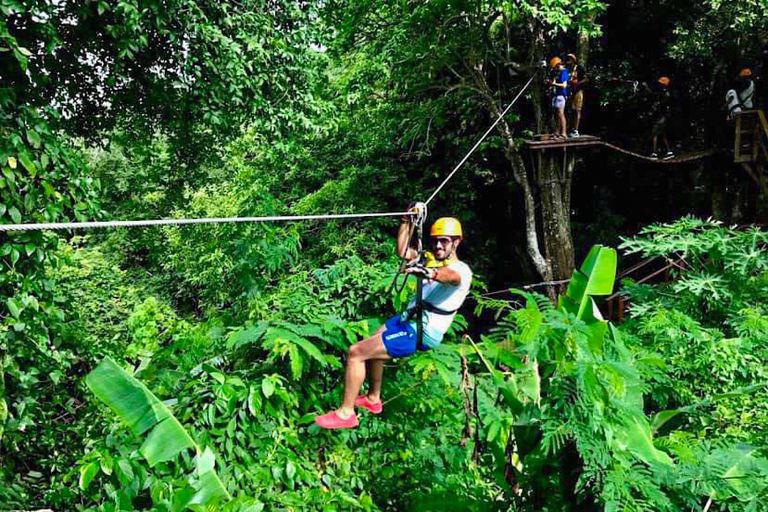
{"x": 540, "y": 143}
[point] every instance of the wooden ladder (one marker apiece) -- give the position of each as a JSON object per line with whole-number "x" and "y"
{"x": 750, "y": 146}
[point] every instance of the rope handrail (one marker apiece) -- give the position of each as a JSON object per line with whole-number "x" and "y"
{"x": 166, "y": 222}
{"x": 675, "y": 160}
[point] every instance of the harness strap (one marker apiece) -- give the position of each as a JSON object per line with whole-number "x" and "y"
{"x": 428, "y": 306}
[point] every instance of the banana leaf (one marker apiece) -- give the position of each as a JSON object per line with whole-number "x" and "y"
{"x": 636, "y": 437}
{"x": 595, "y": 277}
{"x": 143, "y": 412}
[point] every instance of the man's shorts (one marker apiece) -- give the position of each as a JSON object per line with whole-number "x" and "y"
{"x": 558, "y": 101}
{"x": 578, "y": 100}
{"x": 399, "y": 337}
{"x": 660, "y": 127}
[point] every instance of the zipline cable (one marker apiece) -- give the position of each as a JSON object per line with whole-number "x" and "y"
{"x": 52, "y": 226}
{"x": 166, "y": 222}
{"x": 477, "y": 144}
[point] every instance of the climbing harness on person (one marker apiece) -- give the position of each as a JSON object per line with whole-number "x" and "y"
{"x": 425, "y": 266}
{"x": 442, "y": 284}
{"x": 742, "y": 97}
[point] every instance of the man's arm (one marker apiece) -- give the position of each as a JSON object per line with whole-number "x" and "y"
{"x": 447, "y": 276}
{"x": 403, "y": 237}
{"x": 443, "y": 275}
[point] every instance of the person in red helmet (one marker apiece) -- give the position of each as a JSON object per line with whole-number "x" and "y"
{"x": 448, "y": 282}
{"x": 661, "y": 102}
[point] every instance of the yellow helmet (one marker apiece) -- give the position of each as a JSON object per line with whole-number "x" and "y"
{"x": 446, "y": 226}
{"x": 554, "y": 61}
{"x": 745, "y": 72}
{"x": 664, "y": 81}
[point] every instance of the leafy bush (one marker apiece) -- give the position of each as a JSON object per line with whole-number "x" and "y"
{"x": 708, "y": 324}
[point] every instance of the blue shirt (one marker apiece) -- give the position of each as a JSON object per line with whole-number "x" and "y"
{"x": 563, "y": 77}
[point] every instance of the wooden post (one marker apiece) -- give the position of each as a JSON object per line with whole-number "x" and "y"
{"x": 621, "y": 309}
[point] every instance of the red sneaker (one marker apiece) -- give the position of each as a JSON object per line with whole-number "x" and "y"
{"x": 362, "y": 401}
{"x": 333, "y": 420}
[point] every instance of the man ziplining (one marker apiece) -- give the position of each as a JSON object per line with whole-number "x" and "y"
{"x": 448, "y": 282}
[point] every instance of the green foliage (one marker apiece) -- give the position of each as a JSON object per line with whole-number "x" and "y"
{"x": 43, "y": 180}
{"x": 166, "y": 438}
{"x": 708, "y": 323}
{"x": 194, "y": 108}
{"x": 574, "y": 402}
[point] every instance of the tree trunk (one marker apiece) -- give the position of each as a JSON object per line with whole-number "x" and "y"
{"x": 554, "y": 178}
{"x": 582, "y": 43}
{"x": 520, "y": 175}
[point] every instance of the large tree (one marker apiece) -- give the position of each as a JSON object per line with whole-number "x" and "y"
{"x": 460, "y": 62}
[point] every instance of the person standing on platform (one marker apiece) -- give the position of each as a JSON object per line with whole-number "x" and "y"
{"x": 661, "y": 111}
{"x": 559, "y": 83}
{"x": 578, "y": 79}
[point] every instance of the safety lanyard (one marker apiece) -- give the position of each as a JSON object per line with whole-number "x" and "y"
{"x": 420, "y": 288}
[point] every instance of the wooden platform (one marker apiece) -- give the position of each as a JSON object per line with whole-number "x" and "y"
{"x": 545, "y": 142}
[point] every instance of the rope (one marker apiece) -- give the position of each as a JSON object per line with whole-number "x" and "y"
{"x": 165, "y": 222}
{"x": 477, "y": 144}
{"x": 688, "y": 158}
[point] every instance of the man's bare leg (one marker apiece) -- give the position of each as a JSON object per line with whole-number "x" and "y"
{"x": 577, "y": 120}
{"x": 375, "y": 376}
{"x": 359, "y": 353}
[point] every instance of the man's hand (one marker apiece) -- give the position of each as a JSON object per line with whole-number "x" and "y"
{"x": 421, "y": 270}
{"x": 417, "y": 208}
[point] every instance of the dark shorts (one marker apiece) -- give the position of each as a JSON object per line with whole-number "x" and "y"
{"x": 660, "y": 127}
{"x": 399, "y": 337}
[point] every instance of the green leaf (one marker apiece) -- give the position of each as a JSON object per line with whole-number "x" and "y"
{"x": 267, "y": 388}
{"x": 240, "y": 337}
{"x": 290, "y": 470}
{"x": 28, "y": 164}
{"x": 125, "y": 472}
{"x": 13, "y": 307}
{"x": 596, "y": 277}
{"x": 106, "y": 464}
{"x": 11, "y": 162}
{"x": 310, "y": 349}
{"x": 87, "y": 473}
{"x": 210, "y": 489}
{"x": 636, "y": 437}
{"x": 141, "y": 410}
{"x": 34, "y": 138}
{"x": 9, "y": 175}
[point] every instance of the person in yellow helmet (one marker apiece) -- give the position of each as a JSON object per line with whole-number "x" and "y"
{"x": 447, "y": 285}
